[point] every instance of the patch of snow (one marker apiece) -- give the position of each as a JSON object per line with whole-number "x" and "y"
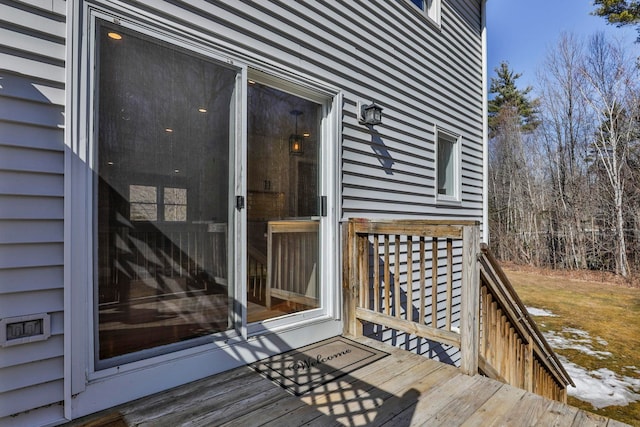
{"x": 577, "y": 332}
{"x": 540, "y": 312}
{"x": 578, "y": 340}
{"x": 601, "y": 387}
{"x": 635, "y": 369}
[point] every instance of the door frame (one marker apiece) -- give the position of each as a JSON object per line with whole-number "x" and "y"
{"x": 327, "y": 185}
{"x": 87, "y": 390}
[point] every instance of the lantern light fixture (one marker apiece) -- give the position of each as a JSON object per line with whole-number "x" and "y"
{"x": 296, "y": 144}
{"x": 370, "y": 114}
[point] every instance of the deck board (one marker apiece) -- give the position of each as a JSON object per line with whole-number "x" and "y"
{"x": 502, "y": 401}
{"x": 401, "y": 389}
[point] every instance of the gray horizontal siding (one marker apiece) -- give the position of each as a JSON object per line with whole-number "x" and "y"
{"x": 31, "y": 207}
{"x": 30, "y": 374}
{"x": 32, "y": 68}
{"x": 37, "y": 417}
{"x": 375, "y": 50}
{"x": 30, "y": 279}
{"x": 14, "y": 232}
{"x": 27, "y": 398}
{"x": 39, "y": 350}
{"x": 24, "y": 303}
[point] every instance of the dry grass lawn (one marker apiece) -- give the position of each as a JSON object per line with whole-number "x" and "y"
{"x": 600, "y": 306}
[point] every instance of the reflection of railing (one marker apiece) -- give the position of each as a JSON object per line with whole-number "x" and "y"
{"x": 512, "y": 348}
{"x": 153, "y": 263}
{"x": 256, "y": 274}
{"x": 292, "y": 262}
{"x": 422, "y": 277}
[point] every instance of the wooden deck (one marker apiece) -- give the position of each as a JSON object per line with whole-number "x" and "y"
{"x": 402, "y": 389}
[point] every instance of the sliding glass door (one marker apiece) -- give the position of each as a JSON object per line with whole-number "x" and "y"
{"x": 283, "y": 203}
{"x": 163, "y": 125}
{"x": 169, "y": 151}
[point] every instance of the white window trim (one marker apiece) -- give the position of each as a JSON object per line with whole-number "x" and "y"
{"x": 456, "y": 198}
{"x": 432, "y": 10}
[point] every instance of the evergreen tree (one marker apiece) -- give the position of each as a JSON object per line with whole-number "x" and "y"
{"x": 508, "y": 96}
{"x": 512, "y": 115}
{"x": 618, "y": 12}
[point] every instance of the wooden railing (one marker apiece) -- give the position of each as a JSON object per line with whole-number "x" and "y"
{"x": 512, "y": 348}
{"x": 393, "y": 279}
{"x": 424, "y": 278}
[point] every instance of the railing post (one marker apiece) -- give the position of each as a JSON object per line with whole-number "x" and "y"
{"x": 350, "y": 281}
{"x": 470, "y": 303}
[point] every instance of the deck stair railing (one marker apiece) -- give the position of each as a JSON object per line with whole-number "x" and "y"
{"x": 428, "y": 279}
{"x": 512, "y": 348}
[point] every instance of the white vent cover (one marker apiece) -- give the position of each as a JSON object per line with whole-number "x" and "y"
{"x": 24, "y": 329}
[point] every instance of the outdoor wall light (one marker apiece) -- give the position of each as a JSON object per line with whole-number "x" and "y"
{"x": 296, "y": 145}
{"x": 370, "y": 114}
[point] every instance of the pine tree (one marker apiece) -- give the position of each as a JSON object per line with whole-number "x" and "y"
{"x": 507, "y": 95}
{"x": 618, "y": 12}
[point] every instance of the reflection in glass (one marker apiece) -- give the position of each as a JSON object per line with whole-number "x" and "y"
{"x": 446, "y": 165}
{"x": 163, "y": 119}
{"x": 282, "y": 205}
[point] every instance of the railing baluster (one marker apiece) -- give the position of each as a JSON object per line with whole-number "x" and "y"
{"x": 449, "y": 282}
{"x": 363, "y": 254}
{"x": 434, "y": 282}
{"x": 422, "y": 280}
{"x": 387, "y": 277}
{"x": 409, "y": 305}
{"x": 376, "y": 274}
{"x": 396, "y": 277}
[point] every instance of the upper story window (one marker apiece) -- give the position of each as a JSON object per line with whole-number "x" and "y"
{"x": 430, "y": 7}
{"x": 447, "y": 166}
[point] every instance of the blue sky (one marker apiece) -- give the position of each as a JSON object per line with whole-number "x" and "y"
{"x": 521, "y": 32}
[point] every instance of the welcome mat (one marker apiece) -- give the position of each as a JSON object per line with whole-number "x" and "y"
{"x": 306, "y": 368}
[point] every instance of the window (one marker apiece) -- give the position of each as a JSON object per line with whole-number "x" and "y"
{"x": 144, "y": 203}
{"x": 447, "y": 166}
{"x": 175, "y": 204}
{"x": 429, "y": 7}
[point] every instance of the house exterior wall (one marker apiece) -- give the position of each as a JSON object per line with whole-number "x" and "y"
{"x": 32, "y": 99}
{"x": 423, "y": 75}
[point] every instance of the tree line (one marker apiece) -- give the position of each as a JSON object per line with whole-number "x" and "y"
{"x": 564, "y": 167}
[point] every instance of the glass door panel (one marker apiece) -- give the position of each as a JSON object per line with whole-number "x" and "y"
{"x": 283, "y": 138}
{"x": 162, "y": 195}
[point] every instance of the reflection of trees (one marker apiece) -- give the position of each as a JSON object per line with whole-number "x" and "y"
{"x": 269, "y": 112}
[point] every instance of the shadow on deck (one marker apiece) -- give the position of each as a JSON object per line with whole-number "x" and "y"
{"x": 402, "y": 389}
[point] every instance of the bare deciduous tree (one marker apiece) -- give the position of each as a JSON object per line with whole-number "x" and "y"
{"x": 566, "y": 193}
